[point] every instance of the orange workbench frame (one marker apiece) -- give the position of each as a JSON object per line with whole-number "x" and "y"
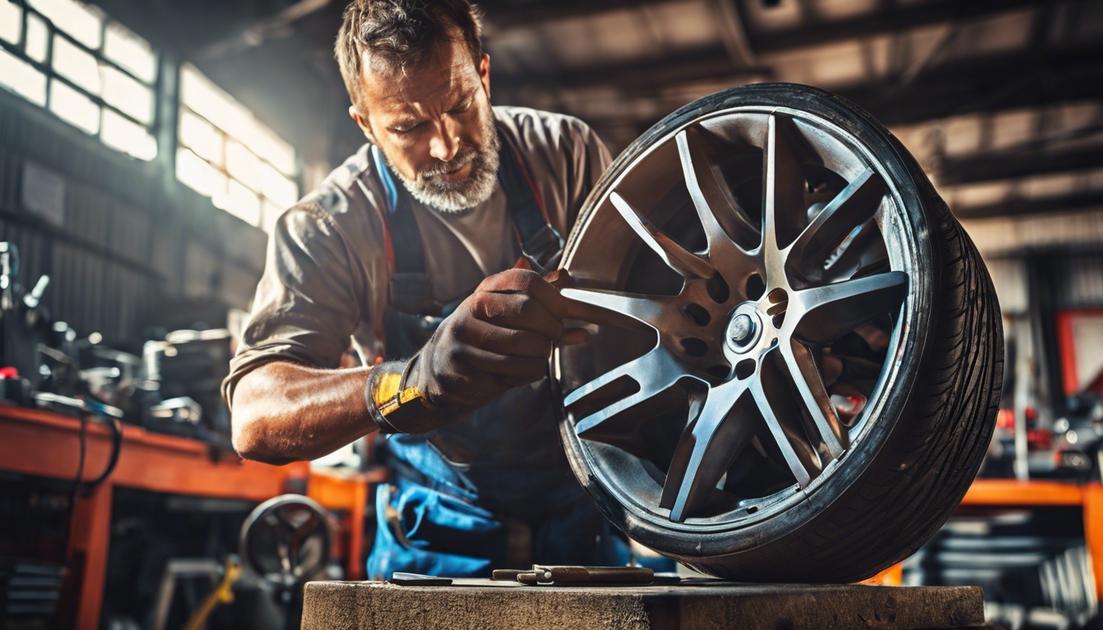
{"x": 1030, "y": 494}
{"x": 347, "y": 492}
{"x": 1013, "y": 493}
{"x": 46, "y": 444}
{"x": 1066, "y": 343}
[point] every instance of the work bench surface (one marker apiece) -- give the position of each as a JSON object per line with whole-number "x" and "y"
{"x": 720, "y": 605}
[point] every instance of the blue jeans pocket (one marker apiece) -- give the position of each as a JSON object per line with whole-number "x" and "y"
{"x": 420, "y": 530}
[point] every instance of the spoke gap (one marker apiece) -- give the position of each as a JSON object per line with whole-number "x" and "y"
{"x": 604, "y": 396}
{"x": 779, "y": 301}
{"x": 694, "y": 347}
{"x": 756, "y": 286}
{"x": 718, "y": 289}
{"x": 720, "y": 371}
{"x": 697, "y": 314}
{"x": 744, "y": 369}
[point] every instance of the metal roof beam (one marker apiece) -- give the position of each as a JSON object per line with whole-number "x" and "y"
{"x": 1015, "y": 164}
{"x": 902, "y": 17}
{"x": 986, "y": 84}
{"x": 647, "y": 76}
{"x": 712, "y": 62}
{"x": 991, "y": 83}
{"x": 502, "y": 14}
{"x": 1019, "y": 206}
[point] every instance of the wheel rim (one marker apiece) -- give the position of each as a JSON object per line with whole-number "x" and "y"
{"x": 733, "y": 409}
{"x": 285, "y": 539}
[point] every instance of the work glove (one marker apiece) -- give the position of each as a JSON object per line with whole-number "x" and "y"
{"x": 499, "y": 338}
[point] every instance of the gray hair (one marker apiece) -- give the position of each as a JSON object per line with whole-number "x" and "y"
{"x": 401, "y": 33}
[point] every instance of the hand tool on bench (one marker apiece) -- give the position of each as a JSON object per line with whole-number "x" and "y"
{"x": 566, "y": 574}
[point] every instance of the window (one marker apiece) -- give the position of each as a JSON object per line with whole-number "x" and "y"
{"x": 74, "y": 61}
{"x": 227, "y": 154}
{"x": 91, "y": 72}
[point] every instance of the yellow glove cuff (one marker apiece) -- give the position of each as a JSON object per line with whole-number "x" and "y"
{"x": 396, "y": 408}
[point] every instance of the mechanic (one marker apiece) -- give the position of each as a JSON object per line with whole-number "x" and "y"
{"x": 425, "y": 251}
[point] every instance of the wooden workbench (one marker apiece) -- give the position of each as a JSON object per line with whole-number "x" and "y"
{"x": 46, "y": 444}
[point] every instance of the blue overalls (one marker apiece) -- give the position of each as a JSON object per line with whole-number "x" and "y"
{"x": 465, "y": 497}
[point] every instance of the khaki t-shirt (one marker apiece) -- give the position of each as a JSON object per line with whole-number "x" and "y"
{"x": 326, "y": 276}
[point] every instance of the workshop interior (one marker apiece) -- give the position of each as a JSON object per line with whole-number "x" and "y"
{"x": 840, "y": 275}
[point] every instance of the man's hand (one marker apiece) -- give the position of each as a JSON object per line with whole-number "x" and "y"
{"x": 499, "y": 338}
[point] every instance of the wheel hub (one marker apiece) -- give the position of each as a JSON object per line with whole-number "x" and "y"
{"x": 744, "y": 328}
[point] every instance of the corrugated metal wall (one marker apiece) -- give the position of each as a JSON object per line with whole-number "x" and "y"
{"x": 1009, "y": 278}
{"x": 1037, "y": 231}
{"x": 119, "y": 239}
{"x": 1079, "y": 281}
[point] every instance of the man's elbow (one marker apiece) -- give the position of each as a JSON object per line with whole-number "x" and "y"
{"x": 254, "y": 431}
{"x": 251, "y": 437}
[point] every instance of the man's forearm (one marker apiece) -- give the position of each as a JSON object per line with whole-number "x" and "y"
{"x": 498, "y": 338}
{"x": 284, "y": 412}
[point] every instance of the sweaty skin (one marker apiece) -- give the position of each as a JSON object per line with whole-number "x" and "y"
{"x": 421, "y": 119}
{"x": 284, "y": 412}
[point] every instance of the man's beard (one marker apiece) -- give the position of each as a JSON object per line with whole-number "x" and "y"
{"x": 431, "y": 189}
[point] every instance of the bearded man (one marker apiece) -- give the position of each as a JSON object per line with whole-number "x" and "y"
{"x": 425, "y": 251}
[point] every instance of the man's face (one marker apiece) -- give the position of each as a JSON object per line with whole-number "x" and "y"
{"x": 434, "y": 125}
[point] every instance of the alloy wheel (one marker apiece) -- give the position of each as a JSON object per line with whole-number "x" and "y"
{"x": 748, "y": 276}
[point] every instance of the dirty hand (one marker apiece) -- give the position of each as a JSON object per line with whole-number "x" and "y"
{"x": 499, "y": 338}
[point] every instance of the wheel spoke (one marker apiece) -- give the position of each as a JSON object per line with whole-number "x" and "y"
{"x": 654, "y": 373}
{"x": 711, "y": 441}
{"x": 288, "y": 563}
{"x": 777, "y": 412}
{"x": 783, "y": 196}
{"x": 306, "y": 528}
{"x": 613, "y": 306}
{"x": 711, "y": 195}
{"x": 678, "y": 258}
{"x": 860, "y": 252}
{"x": 813, "y": 393}
{"x": 285, "y": 522}
{"x": 823, "y": 314}
{"x": 848, "y": 210}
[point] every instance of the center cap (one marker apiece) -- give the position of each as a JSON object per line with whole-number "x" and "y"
{"x": 743, "y": 329}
